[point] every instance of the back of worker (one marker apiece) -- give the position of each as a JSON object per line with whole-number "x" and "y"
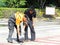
{"x": 14, "y": 21}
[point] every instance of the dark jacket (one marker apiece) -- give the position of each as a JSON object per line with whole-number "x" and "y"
{"x": 28, "y": 15}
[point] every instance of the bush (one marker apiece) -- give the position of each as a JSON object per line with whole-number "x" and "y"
{"x": 58, "y": 12}
{"x": 6, "y": 12}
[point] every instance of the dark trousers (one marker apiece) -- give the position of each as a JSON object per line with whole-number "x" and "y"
{"x": 20, "y": 33}
{"x": 30, "y": 24}
{"x": 11, "y": 26}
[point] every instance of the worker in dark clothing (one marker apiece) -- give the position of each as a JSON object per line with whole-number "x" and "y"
{"x": 30, "y": 14}
{"x": 14, "y": 21}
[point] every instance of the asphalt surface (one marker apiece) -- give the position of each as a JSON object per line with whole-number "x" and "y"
{"x": 47, "y": 33}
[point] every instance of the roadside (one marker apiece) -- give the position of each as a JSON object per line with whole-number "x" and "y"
{"x": 4, "y": 21}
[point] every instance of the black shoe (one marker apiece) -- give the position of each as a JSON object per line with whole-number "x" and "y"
{"x": 19, "y": 41}
{"x": 32, "y": 40}
{"x": 10, "y": 41}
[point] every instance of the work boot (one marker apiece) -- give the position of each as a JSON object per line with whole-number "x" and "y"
{"x": 10, "y": 41}
{"x": 19, "y": 41}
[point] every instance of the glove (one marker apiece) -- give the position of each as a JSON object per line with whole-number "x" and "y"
{"x": 20, "y": 37}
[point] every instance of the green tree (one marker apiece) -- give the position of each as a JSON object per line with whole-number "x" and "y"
{"x": 36, "y": 3}
{"x": 2, "y": 4}
{"x": 30, "y": 3}
{"x": 13, "y": 3}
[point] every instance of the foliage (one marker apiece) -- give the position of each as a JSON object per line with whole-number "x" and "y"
{"x": 58, "y": 12}
{"x": 28, "y": 3}
{"x": 12, "y": 3}
{"x": 2, "y": 4}
{"x": 6, "y": 12}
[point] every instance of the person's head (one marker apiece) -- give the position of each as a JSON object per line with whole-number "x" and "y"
{"x": 31, "y": 11}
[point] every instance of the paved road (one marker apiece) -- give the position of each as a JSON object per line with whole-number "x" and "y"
{"x": 47, "y": 33}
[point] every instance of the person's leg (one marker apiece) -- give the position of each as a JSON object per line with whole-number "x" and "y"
{"x": 19, "y": 30}
{"x": 32, "y": 31}
{"x": 26, "y": 32}
{"x": 32, "y": 34}
{"x": 18, "y": 40}
{"x": 11, "y": 30}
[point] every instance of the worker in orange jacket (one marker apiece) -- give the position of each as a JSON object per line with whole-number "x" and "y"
{"x": 15, "y": 21}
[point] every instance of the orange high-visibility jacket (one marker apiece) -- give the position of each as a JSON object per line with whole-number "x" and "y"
{"x": 19, "y": 18}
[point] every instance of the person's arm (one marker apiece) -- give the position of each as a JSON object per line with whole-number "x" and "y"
{"x": 18, "y": 30}
{"x": 25, "y": 20}
{"x": 18, "y": 24}
{"x": 34, "y": 14}
{"x": 34, "y": 20}
{"x": 34, "y": 17}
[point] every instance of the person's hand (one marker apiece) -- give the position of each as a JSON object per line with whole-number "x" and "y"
{"x": 25, "y": 23}
{"x": 24, "y": 19}
{"x": 20, "y": 36}
{"x": 33, "y": 24}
